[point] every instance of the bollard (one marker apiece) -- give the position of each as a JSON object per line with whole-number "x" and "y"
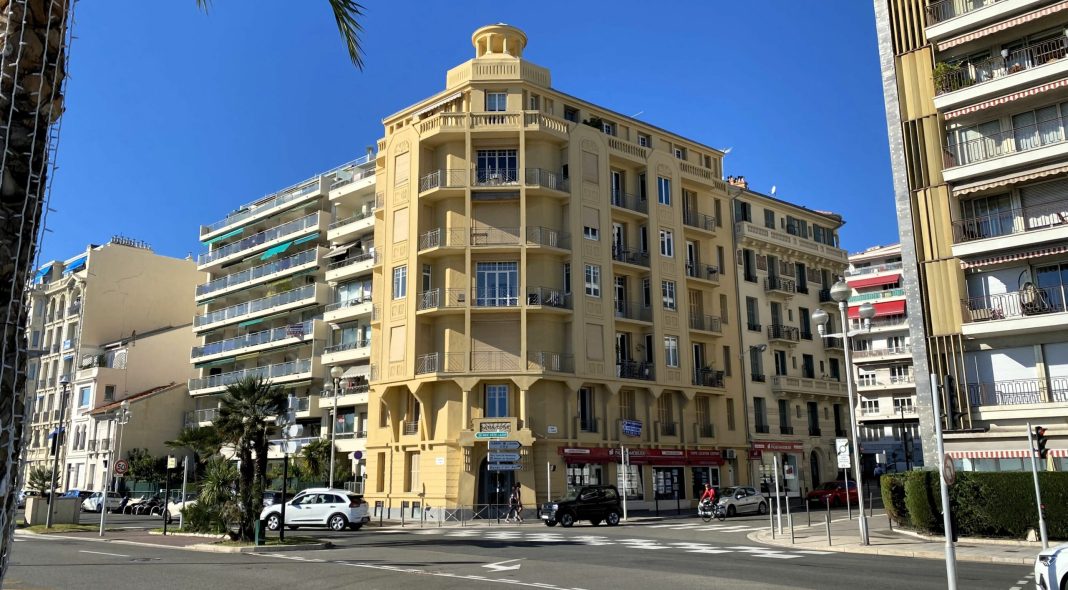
{"x": 890, "y": 522}
{"x": 808, "y": 511}
{"x": 790, "y": 519}
{"x": 402, "y": 517}
{"x": 771, "y": 519}
{"x": 828, "y": 522}
{"x": 871, "y": 507}
{"x": 849, "y": 505}
{"x": 678, "y": 506}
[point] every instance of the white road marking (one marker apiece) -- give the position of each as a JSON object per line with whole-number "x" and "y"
{"x": 102, "y": 553}
{"x": 811, "y": 552}
{"x": 775, "y": 555}
{"x": 500, "y": 567}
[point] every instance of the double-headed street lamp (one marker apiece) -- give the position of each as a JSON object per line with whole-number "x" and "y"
{"x": 121, "y": 418}
{"x": 336, "y": 372}
{"x": 840, "y": 293}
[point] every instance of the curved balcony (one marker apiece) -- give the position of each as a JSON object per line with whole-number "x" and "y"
{"x": 441, "y": 300}
{"x": 442, "y": 180}
{"x": 539, "y": 178}
{"x": 254, "y": 275}
{"x": 360, "y": 263}
{"x": 277, "y": 373}
{"x": 254, "y": 242}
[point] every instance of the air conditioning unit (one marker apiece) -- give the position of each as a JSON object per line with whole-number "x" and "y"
{"x": 730, "y": 454}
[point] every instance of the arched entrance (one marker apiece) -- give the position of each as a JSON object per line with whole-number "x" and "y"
{"x": 494, "y": 487}
{"x": 814, "y": 463}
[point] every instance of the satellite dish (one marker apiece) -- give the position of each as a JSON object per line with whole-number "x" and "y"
{"x": 773, "y": 187}
{"x": 726, "y": 150}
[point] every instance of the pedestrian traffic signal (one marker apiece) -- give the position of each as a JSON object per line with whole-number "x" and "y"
{"x": 1040, "y": 442}
{"x": 953, "y": 413}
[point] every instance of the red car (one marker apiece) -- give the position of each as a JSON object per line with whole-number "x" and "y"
{"x": 833, "y": 491}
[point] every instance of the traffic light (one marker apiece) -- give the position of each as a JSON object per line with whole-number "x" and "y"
{"x": 1040, "y": 442}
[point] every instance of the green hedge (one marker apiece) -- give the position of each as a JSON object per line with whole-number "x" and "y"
{"x": 984, "y": 504}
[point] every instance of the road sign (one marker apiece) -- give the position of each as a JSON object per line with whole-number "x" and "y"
{"x": 949, "y": 471}
{"x": 483, "y": 435}
{"x": 632, "y": 428}
{"x": 172, "y": 462}
{"x": 503, "y": 467}
{"x": 356, "y": 455}
{"x": 503, "y": 457}
{"x": 841, "y": 448}
{"x": 503, "y": 445}
{"x": 122, "y": 466}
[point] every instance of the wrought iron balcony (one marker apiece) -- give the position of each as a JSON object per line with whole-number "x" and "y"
{"x": 709, "y": 377}
{"x": 630, "y": 256}
{"x": 780, "y": 285}
{"x": 963, "y": 75}
{"x": 707, "y": 323}
{"x": 635, "y": 370}
{"x": 781, "y": 332}
{"x": 633, "y": 310}
{"x": 547, "y": 297}
{"x": 1032, "y": 301}
{"x": 698, "y": 220}
{"x": 1018, "y": 392}
{"x": 630, "y": 202}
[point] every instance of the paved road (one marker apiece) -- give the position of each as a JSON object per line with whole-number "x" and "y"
{"x": 682, "y": 553}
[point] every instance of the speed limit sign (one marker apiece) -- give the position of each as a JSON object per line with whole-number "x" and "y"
{"x": 122, "y": 466}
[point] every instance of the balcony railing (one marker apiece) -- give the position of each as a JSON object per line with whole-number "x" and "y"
{"x": 814, "y": 431}
{"x": 286, "y": 197}
{"x": 875, "y": 295}
{"x": 74, "y": 308}
{"x": 301, "y": 404}
{"x": 257, "y": 272}
{"x": 542, "y": 360}
{"x": 702, "y": 271}
{"x": 833, "y": 343}
{"x": 267, "y": 372}
{"x": 411, "y": 427}
{"x": 825, "y": 296}
{"x": 781, "y": 284}
{"x": 781, "y": 332}
{"x": 440, "y": 238}
{"x": 205, "y": 415}
{"x": 706, "y": 430}
{"x": 495, "y": 236}
{"x": 495, "y": 177}
{"x": 354, "y": 259}
{"x": 784, "y": 429}
{"x": 439, "y": 298}
{"x": 347, "y": 390}
{"x": 547, "y": 179}
{"x": 256, "y": 305}
{"x": 628, "y": 201}
{"x": 253, "y": 339}
{"x": 437, "y": 362}
{"x": 881, "y": 353}
{"x": 370, "y": 213}
{"x": 707, "y": 323}
{"x": 698, "y": 220}
{"x": 1011, "y": 221}
{"x": 635, "y": 370}
{"x": 355, "y": 344}
{"x": 708, "y": 377}
{"x": 545, "y": 236}
{"x": 274, "y": 233}
{"x": 490, "y": 297}
{"x": 888, "y": 322}
{"x": 1021, "y": 139}
{"x": 494, "y": 361}
{"x": 669, "y": 428}
{"x": 630, "y": 256}
{"x": 448, "y": 178}
{"x": 1032, "y": 301}
{"x": 359, "y": 300}
{"x": 864, "y": 270}
{"x": 1018, "y": 392}
{"x": 633, "y": 310}
{"x": 963, "y": 75}
{"x": 944, "y": 10}
{"x": 546, "y": 297}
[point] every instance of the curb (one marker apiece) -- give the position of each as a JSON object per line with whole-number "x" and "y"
{"x": 938, "y": 555}
{"x": 200, "y": 547}
{"x": 971, "y": 540}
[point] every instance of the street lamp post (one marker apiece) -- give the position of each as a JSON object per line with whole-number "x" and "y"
{"x": 840, "y": 293}
{"x": 336, "y": 373}
{"x": 58, "y": 433}
{"x": 122, "y": 418}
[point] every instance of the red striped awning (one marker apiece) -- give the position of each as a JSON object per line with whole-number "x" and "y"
{"x": 1009, "y": 454}
{"x": 1003, "y": 25}
{"x": 1014, "y": 178}
{"x": 1007, "y": 98}
{"x": 881, "y": 308}
{"x": 874, "y": 281}
{"x": 1014, "y": 257}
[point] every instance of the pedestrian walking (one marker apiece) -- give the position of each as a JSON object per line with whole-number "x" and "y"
{"x": 515, "y": 505}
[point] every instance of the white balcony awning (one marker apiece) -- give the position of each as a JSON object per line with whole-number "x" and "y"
{"x": 1033, "y": 174}
{"x": 1003, "y": 25}
{"x": 357, "y": 371}
{"x": 1014, "y": 256}
{"x": 337, "y": 251}
{"x": 1007, "y": 98}
{"x": 438, "y": 103}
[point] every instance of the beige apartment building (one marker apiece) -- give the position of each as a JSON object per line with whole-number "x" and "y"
{"x": 976, "y": 99}
{"x": 288, "y": 298}
{"x": 80, "y": 309}
{"x": 787, "y": 259}
{"x": 882, "y": 357}
{"x": 549, "y": 272}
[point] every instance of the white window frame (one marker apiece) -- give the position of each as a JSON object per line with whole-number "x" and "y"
{"x": 671, "y": 351}
{"x": 497, "y": 100}
{"x": 593, "y": 280}
{"x": 591, "y": 233}
{"x": 680, "y": 153}
{"x": 667, "y": 243}
{"x": 400, "y": 282}
{"x": 667, "y": 290}
{"x": 663, "y": 190}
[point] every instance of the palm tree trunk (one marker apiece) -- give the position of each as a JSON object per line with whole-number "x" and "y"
{"x": 247, "y": 472}
{"x": 33, "y": 37}
{"x": 261, "y": 474}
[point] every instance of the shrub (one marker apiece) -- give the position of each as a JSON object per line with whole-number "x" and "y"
{"x": 200, "y": 518}
{"x": 892, "y": 488}
{"x": 920, "y": 503}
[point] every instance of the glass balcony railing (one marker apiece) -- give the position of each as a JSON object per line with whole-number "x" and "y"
{"x": 267, "y": 372}
{"x": 864, "y": 270}
{"x": 253, "y": 339}
{"x": 877, "y": 295}
{"x": 1011, "y": 221}
{"x": 280, "y": 231}
{"x": 256, "y": 272}
{"x": 355, "y": 344}
{"x": 288, "y": 196}
{"x": 256, "y": 305}
{"x": 943, "y": 10}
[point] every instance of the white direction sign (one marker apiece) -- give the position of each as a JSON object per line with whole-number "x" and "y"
{"x": 503, "y": 467}
{"x": 503, "y": 445}
{"x": 503, "y": 457}
{"x": 841, "y": 448}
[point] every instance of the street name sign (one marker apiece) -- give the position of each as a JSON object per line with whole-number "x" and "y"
{"x": 503, "y": 467}
{"x": 484, "y": 435}
{"x": 503, "y": 445}
{"x": 503, "y": 457}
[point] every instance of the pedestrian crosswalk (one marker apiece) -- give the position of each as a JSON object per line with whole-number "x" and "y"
{"x": 688, "y": 526}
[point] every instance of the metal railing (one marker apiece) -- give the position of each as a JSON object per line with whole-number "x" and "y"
{"x": 709, "y": 377}
{"x": 442, "y": 237}
{"x": 864, "y": 270}
{"x": 346, "y": 390}
{"x": 782, "y": 284}
{"x": 267, "y": 235}
{"x": 884, "y": 294}
{"x": 256, "y": 305}
{"x": 946, "y": 9}
{"x": 707, "y": 323}
{"x": 355, "y": 344}
{"x": 962, "y": 75}
{"x": 411, "y": 427}
{"x": 547, "y": 297}
{"x": 288, "y": 196}
{"x": 706, "y": 430}
{"x": 630, "y": 256}
{"x": 491, "y": 297}
{"x": 702, "y": 271}
{"x": 546, "y": 179}
{"x": 495, "y": 236}
{"x": 698, "y": 220}
{"x": 252, "y": 339}
{"x": 782, "y": 332}
{"x": 762, "y": 428}
{"x": 369, "y": 214}
{"x": 1018, "y": 392}
{"x": 628, "y": 201}
{"x": 1020, "y": 139}
{"x": 74, "y": 308}
{"x": 1031, "y": 301}
{"x": 301, "y": 404}
{"x": 825, "y": 296}
{"x": 494, "y": 361}
{"x": 443, "y": 178}
{"x": 439, "y": 298}
{"x": 353, "y": 302}
{"x": 881, "y": 352}
{"x": 371, "y": 256}
{"x": 204, "y": 415}
{"x": 669, "y": 428}
{"x": 545, "y": 236}
{"x": 437, "y": 362}
{"x": 257, "y": 272}
{"x": 635, "y": 370}
{"x": 267, "y": 372}
{"x": 633, "y": 310}
{"x": 814, "y": 431}
{"x": 542, "y": 360}
{"x": 1012, "y": 221}
{"x": 495, "y": 177}
{"x": 833, "y": 343}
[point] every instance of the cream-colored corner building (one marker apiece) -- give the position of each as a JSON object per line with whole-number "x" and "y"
{"x": 549, "y": 272}
{"x": 288, "y": 297}
{"x": 78, "y": 308}
{"x": 787, "y": 259}
{"x": 882, "y": 358}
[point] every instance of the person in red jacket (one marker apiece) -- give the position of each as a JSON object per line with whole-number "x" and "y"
{"x": 709, "y": 494}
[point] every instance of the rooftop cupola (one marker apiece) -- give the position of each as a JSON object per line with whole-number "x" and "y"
{"x": 498, "y": 40}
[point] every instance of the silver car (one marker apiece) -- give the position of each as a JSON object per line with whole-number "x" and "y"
{"x": 741, "y": 500}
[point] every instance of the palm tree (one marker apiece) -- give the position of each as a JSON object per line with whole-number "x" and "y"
{"x": 34, "y": 38}
{"x": 316, "y": 455}
{"x": 248, "y": 409}
{"x": 203, "y": 442}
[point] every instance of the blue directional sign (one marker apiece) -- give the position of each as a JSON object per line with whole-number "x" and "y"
{"x": 502, "y": 445}
{"x": 503, "y": 457}
{"x": 503, "y": 467}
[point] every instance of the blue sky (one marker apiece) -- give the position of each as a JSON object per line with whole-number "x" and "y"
{"x": 175, "y": 117}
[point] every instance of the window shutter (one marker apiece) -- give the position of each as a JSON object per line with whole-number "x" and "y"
{"x": 814, "y": 275}
{"x": 590, "y": 171}
{"x": 741, "y": 258}
{"x": 762, "y": 262}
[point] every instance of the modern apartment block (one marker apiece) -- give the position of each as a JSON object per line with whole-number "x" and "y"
{"x": 787, "y": 259}
{"x": 553, "y": 272}
{"x": 288, "y": 298}
{"x": 976, "y": 99}
{"x": 83, "y": 310}
{"x": 882, "y": 357}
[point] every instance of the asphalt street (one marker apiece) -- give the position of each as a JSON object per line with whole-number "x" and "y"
{"x": 685, "y": 553}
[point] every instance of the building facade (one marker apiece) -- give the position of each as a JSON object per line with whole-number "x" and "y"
{"x": 975, "y": 98}
{"x": 287, "y": 298}
{"x": 107, "y": 294}
{"x": 787, "y": 258}
{"x": 882, "y": 358}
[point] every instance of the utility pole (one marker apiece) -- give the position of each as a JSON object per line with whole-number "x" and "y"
{"x": 947, "y": 523}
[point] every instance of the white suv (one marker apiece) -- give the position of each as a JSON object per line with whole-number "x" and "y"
{"x": 92, "y": 503}
{"x": 327, "y": 507}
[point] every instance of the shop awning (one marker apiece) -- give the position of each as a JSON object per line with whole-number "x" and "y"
{"x": 1014, "y": 257}
{"x": 881, "y": 309}
{"x": 860, "y": 283}
{"x": 1032, "y": 174}
{"x": 228, "y": 234}
{"x": 1007, "y": 98}
{"x": 1003, "y": 25}
{"x": 275, "y": 250}
{"x": 75, "y": 265}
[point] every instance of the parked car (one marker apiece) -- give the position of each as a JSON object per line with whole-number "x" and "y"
{"x": 83, "y": 494}
{"x": 174, "y": 509}
{"x": 271, "y": 497}
{"x": 96, "y": 499}
{"x": 592, "y": 503}
{"x": 739, "y": 500}
{"x": 329, "y": 507}
{"x": 834, "y": 492}
{"x": 1051, "y": 568}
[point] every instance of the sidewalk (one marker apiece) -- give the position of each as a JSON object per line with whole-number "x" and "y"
{"x": 845, "y": 538}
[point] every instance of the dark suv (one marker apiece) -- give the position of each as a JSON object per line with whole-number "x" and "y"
{"x": 592, "y": 503}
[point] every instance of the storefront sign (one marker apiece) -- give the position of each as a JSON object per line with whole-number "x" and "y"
{"x": 755, "y": 453}
{"x": 632, "y": 428}
{"x": 783, "y": 446}
{"x": 641, "y": 456}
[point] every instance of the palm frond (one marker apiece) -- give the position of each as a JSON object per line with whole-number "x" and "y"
{"x": 204, "y": 5}
{"x": 348, "y": 14}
